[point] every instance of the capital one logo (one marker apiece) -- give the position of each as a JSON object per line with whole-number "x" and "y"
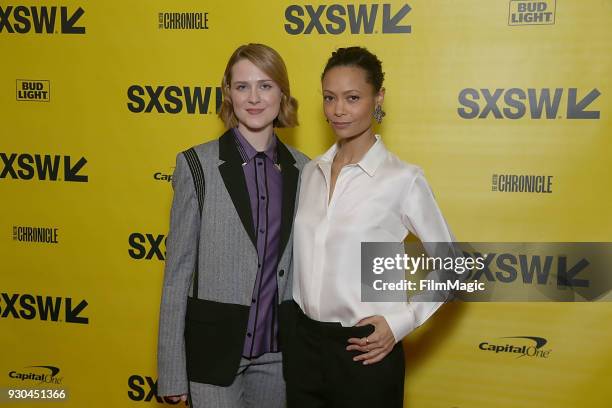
{"x": 339, "y": 18}
{"x": 40, "y": 19}
{"x": 518, "y": 347}
{"x": 515, "y": 103}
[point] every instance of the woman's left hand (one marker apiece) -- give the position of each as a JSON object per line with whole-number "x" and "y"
{"x": 375, "y": 346}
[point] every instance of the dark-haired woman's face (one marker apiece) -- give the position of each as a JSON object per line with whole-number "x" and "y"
{"x": 349, "y": 101}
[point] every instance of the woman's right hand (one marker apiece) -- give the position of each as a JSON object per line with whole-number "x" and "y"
{"x": 177, "y": 398}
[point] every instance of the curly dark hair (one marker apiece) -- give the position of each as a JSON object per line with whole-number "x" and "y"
{"x": 358, "y": 57}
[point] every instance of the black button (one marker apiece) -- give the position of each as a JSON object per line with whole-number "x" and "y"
{"x": 281, "y": 272}
{"x": 259, "y": 265}
{"x": 262, "y": 230}
{"x": 249, "y": 335}
{"x": 263, "y": 197}
{"x": 259, "y": 163}
{"x": 253, "y": 300}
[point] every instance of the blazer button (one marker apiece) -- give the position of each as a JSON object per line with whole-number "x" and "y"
{"x": 281, "y": 272}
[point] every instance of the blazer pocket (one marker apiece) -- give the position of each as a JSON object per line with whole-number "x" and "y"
{"x": 214, "y": 337}
{"x": 203, "y": 310}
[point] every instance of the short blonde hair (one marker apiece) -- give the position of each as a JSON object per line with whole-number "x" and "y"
{"x": 271, "y": 63}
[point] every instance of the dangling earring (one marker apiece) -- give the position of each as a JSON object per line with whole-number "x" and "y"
{"x": 379, "y": 114}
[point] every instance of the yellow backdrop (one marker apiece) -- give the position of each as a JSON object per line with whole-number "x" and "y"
{"x": 98, "y": 97}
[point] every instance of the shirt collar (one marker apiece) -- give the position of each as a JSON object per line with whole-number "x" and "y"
{"x": 368, "y": 163}
{"x": 248, "y": 152}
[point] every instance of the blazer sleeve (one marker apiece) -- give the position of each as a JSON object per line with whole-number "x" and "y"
{"x": 181, "y": 255}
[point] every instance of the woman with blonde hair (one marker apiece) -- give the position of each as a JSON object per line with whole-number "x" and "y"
{"x": 227, "y": 279}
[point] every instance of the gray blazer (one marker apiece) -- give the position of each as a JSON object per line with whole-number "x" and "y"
{"x": 227, "y": 263}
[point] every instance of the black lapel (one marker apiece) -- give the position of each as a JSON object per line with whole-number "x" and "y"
{"x": 290, "y": 176}
{"x": 233, "y": 177}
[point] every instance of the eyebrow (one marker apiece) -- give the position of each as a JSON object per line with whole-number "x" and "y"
{"x": 345, "y": 92}
{"x": 258, "y": 81}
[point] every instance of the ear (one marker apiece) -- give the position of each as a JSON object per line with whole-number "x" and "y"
{"x": 226, "y": 93}
{"x": 380, "y": 96}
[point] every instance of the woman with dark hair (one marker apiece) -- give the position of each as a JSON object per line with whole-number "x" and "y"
{"x": 227, "y": 278}
{"x": 348, "y": 353}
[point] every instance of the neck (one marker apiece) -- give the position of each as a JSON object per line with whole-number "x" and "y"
{"x": 352, "y": 149}
{"x": 260, "y": 139}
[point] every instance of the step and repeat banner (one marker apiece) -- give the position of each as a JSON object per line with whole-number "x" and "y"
{"x": 504, "y": 104}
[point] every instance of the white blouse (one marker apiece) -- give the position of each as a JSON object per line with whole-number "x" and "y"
{"x": 379, "y": 199}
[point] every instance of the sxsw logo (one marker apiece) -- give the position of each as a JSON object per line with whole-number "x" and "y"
{"x": 145, "y": 389}
{"x": 339, "y": 18}
{"x": 531, "y": 12}
{"x": 516, "y": 103}
{"x": 147, "y": 246}
{"x": 40, "y": 19}
{"x": 33, "y": 90}
{"x": 530, "y": 269}
{"x": 25, "y": 166}
{"x": 174, "y": 99}
{"x": 47, "y": 308}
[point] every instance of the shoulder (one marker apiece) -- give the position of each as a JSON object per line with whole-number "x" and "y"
{"x": 207, "y": 149}
{"x": 406, "y": 171}
{"x": 310, "y": 165}
{"x": 206, "y": 153}
{"x": 300, "y": 158}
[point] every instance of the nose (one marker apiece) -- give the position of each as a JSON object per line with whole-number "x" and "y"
{"x": 339, "y": 108}
{"x": 254, "y": 97}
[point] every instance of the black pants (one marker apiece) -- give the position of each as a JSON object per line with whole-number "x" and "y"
{"x": 321, "y": 373}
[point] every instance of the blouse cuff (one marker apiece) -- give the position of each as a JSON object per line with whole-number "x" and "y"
{"x": 401, "y": 323}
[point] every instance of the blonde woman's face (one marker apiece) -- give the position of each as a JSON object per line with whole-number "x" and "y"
{"x": 256, "y": 98}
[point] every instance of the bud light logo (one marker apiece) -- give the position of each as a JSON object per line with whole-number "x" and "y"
{"x": 531, "y": 12}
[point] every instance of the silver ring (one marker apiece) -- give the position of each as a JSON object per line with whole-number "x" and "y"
{"x": 367, "y": 341}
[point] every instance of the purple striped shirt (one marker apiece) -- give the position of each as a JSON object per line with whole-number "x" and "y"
{"x": 265, "y": 184}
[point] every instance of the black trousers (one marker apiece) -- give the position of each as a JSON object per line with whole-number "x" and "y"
{"x": 321, "y": 373}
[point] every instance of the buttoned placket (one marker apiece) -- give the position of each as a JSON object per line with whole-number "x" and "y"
{"x": 261, "y": 223}
{"x": 258, "y": 167}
